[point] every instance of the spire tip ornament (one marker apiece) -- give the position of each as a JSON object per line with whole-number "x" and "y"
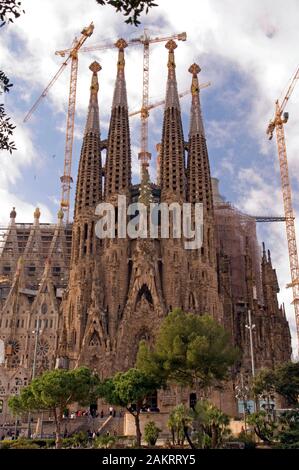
{"x": 95, "y": 67}
{"x": 37, "y": 213}
{"x": 194, "y": 69}
{"x": 171, "y": 45}
{"x": 121, "y": 44}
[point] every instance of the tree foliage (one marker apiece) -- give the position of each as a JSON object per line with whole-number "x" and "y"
{"x": 10, "y": 10}
{"x": 130, "y": 8}
{"x": 178, "y": 423}
{"x": 6, "y": 127}
{"x": 284, "y": 380}
{"x": 151, "y": 433}
{"x": 129, "y": 390}
{"x": 54, "y": 391}
{"x": 210, "y": 425}
{"x": 264, "y": 426}
{"x": 189, "y": 349}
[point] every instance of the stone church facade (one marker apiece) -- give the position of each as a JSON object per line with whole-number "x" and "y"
{"x": 70, "y": 298}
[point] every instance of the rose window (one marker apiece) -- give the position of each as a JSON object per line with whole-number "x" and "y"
{"x": 42, "y": 347}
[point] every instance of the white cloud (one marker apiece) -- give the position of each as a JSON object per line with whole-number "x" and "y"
{"x": 258, "y": 39}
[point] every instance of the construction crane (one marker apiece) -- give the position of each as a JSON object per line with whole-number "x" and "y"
{"x": 72, "y": 57}
{"x": 146, "y": 40}
{"x": 72, "y": 54}
{"x": 277, "y": 124}
{"x": 273, "y": 218}
{"x": 144, "y": 155}
{"x": 160, "y": 103}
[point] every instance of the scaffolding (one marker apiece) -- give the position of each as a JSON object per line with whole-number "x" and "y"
{"x": 236, "y": 238}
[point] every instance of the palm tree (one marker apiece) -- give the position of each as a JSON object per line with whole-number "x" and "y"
{"x": 179, "y": 423}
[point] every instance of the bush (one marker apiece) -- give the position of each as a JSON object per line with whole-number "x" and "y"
{"x": 23, "y": 443}
{"x": 248, "y": 440}
{"x": 151, "y": 433}
{"x": 5, "y": 444}
{"x": 105, "y": 442}
{"x": 44, "y": 442}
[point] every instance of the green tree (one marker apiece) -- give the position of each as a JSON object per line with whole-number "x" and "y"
{"x": 151, "y": 433}
{"x": 54, "y": 391}
{"x": 130, "y": 8}
{"x": 210, "y": 425}
{"x": 263, "y": 425}
{"x": 178, "y": 423}
{"x": 284, "y": 380}
{"x": 9, "y": 10}
{"x": 289, "y": 430}
{"x": 189, "y": 350}
{"x": 129, "y": 390}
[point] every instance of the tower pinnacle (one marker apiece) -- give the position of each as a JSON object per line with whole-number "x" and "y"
{"x": 120, "y": 92}
{"x": 172, "y": 148}
{"x": 198, "y": 169}
{"x": 93, "y": 121}
{"x": 89, "y": 182}
{"x": 118, "y": 161}
{"x": 196, "y": 124}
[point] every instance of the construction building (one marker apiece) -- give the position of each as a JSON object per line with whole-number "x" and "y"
{"x": 71, "y": 298}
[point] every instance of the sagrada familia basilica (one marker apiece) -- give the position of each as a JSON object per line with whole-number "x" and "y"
{"x": 69, "y": 298}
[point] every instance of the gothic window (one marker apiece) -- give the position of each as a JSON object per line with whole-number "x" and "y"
{"x": 42, "y": 347}
{"x": 13, "y": 347}
{"x": 146, "y": 293}
{"x": 74, "y": 337}
{"x": 2, "y": 390}
{"x": 15, "y": 362}
{"x": 56, "y": 270}
{"x": 95, "y": 339}
{"x": 191, "y": 301}
{"x": 192, "y": 400}
{"x": 44, "y": 308}
{"x": 31, "y": 270}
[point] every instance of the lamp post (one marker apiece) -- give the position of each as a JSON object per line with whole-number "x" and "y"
{"x": 251, "y": 327}
{"x": 242, "y": 392}
{"x": 36, "y": 333}
{"x": 268, "y": 407}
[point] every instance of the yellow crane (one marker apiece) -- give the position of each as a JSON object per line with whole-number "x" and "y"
{"x": 144, "y": 40}
{"x": 144, "y": 155}
{"x": 72, "y": 57}
{"x": 160, "y": 103}
{"x": 277, "y": 123}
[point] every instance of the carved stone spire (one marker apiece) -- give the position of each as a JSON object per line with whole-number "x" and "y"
{"x": 196, "y": 122}
{"x": 120, "y": 91}
{"x": 89, "y": 182}
{"x": 118, "y": 161}
{"x": 93, "y": 120}
{"x": 198, "y": 168}
{"x": 172, "y": 98}
{"x": 172, "y": 149}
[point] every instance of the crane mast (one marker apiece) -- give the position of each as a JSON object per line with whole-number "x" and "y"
{"x": 277, "y": 124}
{"x": 144, "y": 156}
{"x": 72, "y": 57}
{"x": 66, "y": 179}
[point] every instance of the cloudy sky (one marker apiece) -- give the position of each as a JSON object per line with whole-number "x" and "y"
{"x": 248, "y": 50}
